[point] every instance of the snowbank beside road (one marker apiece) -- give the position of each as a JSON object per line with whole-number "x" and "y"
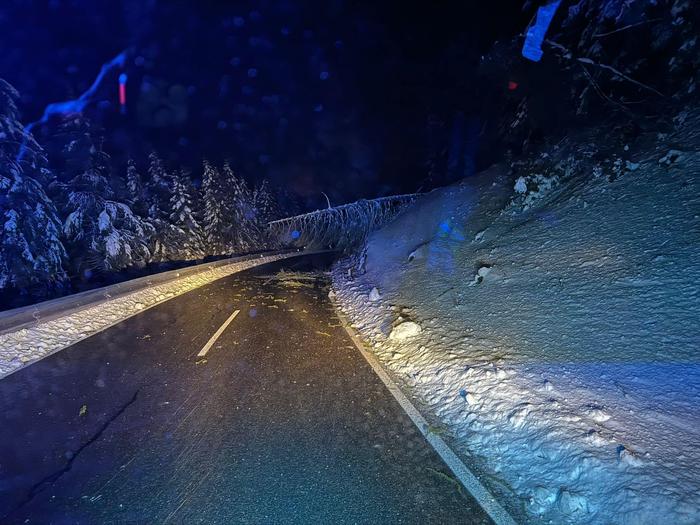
{"x": 26, "y": 345}
{"x": 549, "y": 321}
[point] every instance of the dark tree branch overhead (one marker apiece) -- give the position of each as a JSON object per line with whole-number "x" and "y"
{"x": 570, "y": 56}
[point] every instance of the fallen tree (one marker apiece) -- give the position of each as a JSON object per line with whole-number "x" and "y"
{"x": 341, "y": 227}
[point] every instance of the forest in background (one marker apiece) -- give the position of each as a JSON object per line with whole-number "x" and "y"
{"x": 70, "y": 216}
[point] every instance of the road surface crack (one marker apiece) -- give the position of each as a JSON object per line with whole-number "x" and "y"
{"x": 55, "y": 476}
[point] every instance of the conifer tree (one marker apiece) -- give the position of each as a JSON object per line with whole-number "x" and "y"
{"x": 266, "y": 210}
{"x": 188, "y": 241}
{"x": 135, "y": 189}
{"x": 31, "y": 252}
{"x": 101, "y": 233}
{"x": 239, "y": 210}
{"x": 157, "y": 188}
{"x": 213, "y": 212}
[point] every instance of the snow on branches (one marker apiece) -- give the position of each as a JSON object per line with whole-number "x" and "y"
{"x": 88, "y": 217}
{"x": 31, "y": 253}
{"x": 234, "y": 217}
{"x": 102, "y": 234}
{"x": 186, "y": 229}
{"x": 91, "y": 218}
{"x": 340, "y": 228}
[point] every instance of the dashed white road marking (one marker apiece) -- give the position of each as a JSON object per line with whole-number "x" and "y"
{"x": 217, "y": 334}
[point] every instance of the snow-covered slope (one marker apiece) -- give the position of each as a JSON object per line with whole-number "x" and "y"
{"x": 554, "y": 328}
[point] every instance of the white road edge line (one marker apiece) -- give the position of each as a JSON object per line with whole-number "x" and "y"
{"x": 466, "y": 477}
{"x": 217, "y": 334}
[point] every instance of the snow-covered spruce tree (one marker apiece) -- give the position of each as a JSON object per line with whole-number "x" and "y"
{"x": 344, "y": 227}
{"x": 101, "y": 233}
{"x": 185, "y": 241}
{"x": 157, "y": 188}
{"x": 242, "y": 232}
{"x": 265, "y": 204}
{"x": 135, "y": 190}
{"x": 158, "y": 192}
{"x": 31, "y": 253}
{"x": 214, "y": 224}
{"x": 266, "y": 210}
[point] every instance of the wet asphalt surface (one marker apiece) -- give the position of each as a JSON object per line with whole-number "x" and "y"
{"x": 283, "y": 421}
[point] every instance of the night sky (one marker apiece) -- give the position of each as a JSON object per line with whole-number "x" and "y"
{"x": 331, "y": 96}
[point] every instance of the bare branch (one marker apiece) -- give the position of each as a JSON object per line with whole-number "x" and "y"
{"x": 599, "y": 91}
{"x": 630, "y": 26}
{"x": 620, "y": 74}
{"x": 569, "y": 55}
{"x": 327, "y": 200}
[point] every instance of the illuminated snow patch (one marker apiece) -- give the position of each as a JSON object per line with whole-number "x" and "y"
{"x": 17, "y": 349}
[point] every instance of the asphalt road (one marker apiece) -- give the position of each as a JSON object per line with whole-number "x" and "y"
{"x": 281, "y": 422}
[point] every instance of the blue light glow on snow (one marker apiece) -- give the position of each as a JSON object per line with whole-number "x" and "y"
{"x": 532, "y": 48}
{"x": 441, "y": 253}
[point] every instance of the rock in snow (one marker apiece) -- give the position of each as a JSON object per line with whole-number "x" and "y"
{"x": 374, "y": 295}
{"x": 671, "y": 157}
{"x": 405, "y": 330}
{"x": 520, "y": 185}
{"x": 482, "y": 272}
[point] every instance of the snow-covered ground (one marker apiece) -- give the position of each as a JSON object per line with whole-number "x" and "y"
{"x": 548, "y": 319}
{"x": 24, "y": 346}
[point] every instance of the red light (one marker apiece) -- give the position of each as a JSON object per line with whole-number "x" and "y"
{"x": 122, "y": 94}
{"x": 512, "y": 86}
